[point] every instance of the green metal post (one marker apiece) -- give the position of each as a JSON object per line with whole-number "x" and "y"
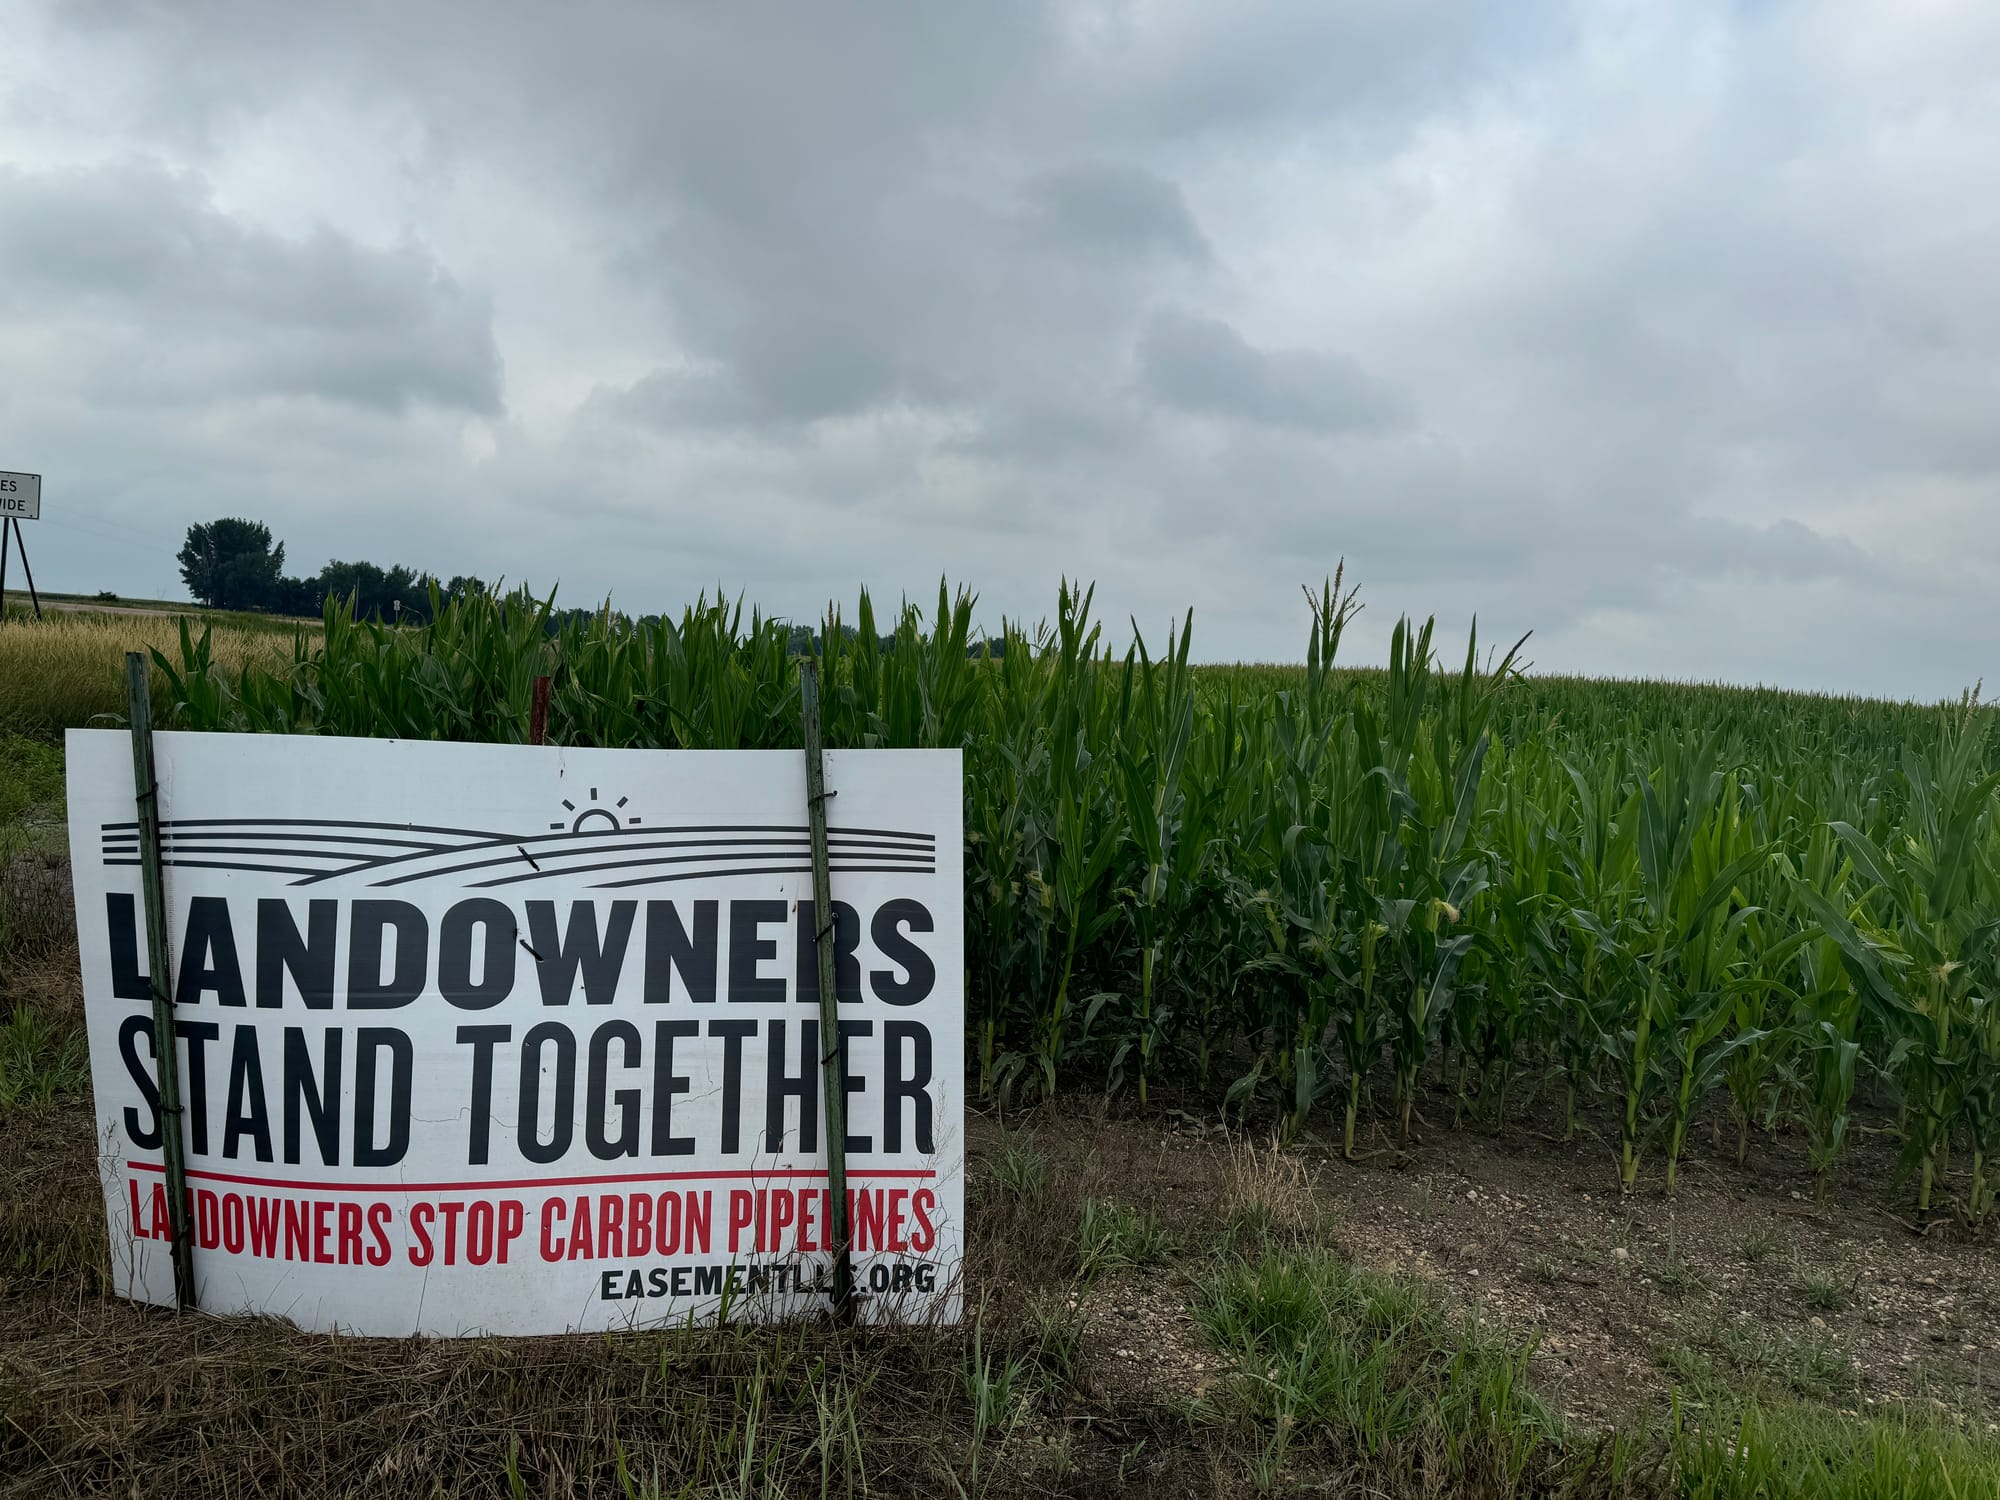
{"x": 832, "y": 1060}
{"x": 166, "y": 1045}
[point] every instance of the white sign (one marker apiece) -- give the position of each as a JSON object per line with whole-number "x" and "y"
{"x": 21, "y": 496}
{"x": 509, "y": 1039}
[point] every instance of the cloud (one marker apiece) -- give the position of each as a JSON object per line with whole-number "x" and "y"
{"x": 172, "y": 301}
{"x": 1115, "y": 210}
{"x": 1203, "y": 365}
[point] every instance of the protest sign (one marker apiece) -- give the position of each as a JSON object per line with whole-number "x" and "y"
{"x": 513, "y": 1039}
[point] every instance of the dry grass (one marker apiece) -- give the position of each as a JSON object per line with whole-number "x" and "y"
{"x": 67, "y": 669}
{"x": 98, "y": 1397}
{"x": 107, "y": 1400}
{"x": 1270, "y": 1193}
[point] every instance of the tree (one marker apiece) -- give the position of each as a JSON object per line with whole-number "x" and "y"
{"x": 406, "y": 595}
{"x": 397, "y": 593}
{"x": 359, "y": 581}
{"x": 232, "y": 564}
{"x": 298, "y": 596}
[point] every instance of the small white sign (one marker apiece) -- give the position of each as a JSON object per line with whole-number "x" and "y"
{"x": 517, "y": 1040}
{"x": 20, "y": 496}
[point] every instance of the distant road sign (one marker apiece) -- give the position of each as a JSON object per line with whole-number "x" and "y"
{"x": 20, "y": 496}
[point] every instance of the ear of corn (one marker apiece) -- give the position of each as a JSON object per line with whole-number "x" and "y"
{"x": 1292, "y": 890}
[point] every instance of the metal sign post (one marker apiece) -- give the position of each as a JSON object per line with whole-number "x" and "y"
{"x": 538, "y": 713}
{"x": 166, "y": 1043}
{"x": 20, "y": 500}
{"x": 833, "y": 1061}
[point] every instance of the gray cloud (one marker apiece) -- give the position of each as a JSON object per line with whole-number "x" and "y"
{"x": 138, "y": 260}
{"x": 1103, "y": 208}
{"x": 1203, "y": 365}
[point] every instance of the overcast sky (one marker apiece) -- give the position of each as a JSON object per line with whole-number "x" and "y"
{"x": 1670, "y": 331}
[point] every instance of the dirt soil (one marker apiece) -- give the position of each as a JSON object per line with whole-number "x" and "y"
{"x": 1738, "y": 1275}
{"x": 1739, "y": 1269}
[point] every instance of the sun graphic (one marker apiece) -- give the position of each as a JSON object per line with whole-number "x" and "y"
{"x": 605, "y": 819}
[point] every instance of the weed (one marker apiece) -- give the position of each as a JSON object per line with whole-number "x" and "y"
{"x": 41, "y": 1061}
{"x": 517, "y": 1487}
{"x": 1115, "y": 1236}
{"x": 1019, "y": 1171}
{"x": 1821, "y": 1287}
{"x": 1794, "y": 1453}
{"x": 1675, "y": 1272}
{"x": 1057, "y": 1458}
{"x": 1270, "y": 1193}
{"x": 993, "y": 1386}
{"x": 31, "y": 777}
{"x": 1055, "y": 1345}
{"x": 1335, "y": 1364}
{"x": 1762, "y": 1242}
{"x": 1728, "y": 1360}
{"x": 1128, "y": 1461}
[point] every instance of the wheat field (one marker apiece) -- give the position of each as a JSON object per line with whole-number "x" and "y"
{"x": 68, "y": 668}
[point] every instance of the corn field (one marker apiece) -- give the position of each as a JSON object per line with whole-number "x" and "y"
{"x": 1332, "y": 897}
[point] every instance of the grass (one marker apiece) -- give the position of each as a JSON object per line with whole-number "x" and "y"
{"x": 67, "y": 670}
{"x": 1724, "y": 1361}
{"x": 1795, "y": 1453}
{"x": 1821, "y": 1287}
{"x": 690, "y": 1412}
{"x": 1270, "y": 1195}
{"x": 995, "y": 1391}
{"x": 1762, "y": 1243}
{"x": 36, "y": 922}
{"x": 31, "y": 777}
{"x": 1020, "y": 1173}
{"x": 1338, "y": 1369}
{"x": 1030, "y": 1212}
{"x": 1342, "y": 1381}
{"x": 1055, "y": 1345}
{"x": 1676, "y": 1273}
{"x": 1341, "y": 1373}
{"x": 1114, "y": 1236}
{"x": 41, "y": 1061}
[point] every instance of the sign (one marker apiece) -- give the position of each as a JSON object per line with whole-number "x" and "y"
{"x": 516, "y": 1040}
{"x": 20, "y": 496}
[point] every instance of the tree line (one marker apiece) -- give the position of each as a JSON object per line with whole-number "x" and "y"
{"x": 234, "y": 563}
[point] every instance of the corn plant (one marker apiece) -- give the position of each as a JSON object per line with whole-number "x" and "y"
{"x": 1518, "y": 937}
{"x": 1678, "y": 944}
{"x": 1152, "y": 755}
{"x": 1920, "y": 943}
{"x": 1080, "y": 828}
{"x": 1287, "y": 883}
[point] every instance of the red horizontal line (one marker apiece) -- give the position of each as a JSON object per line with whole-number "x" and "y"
{"x": 751, "y": 1175}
